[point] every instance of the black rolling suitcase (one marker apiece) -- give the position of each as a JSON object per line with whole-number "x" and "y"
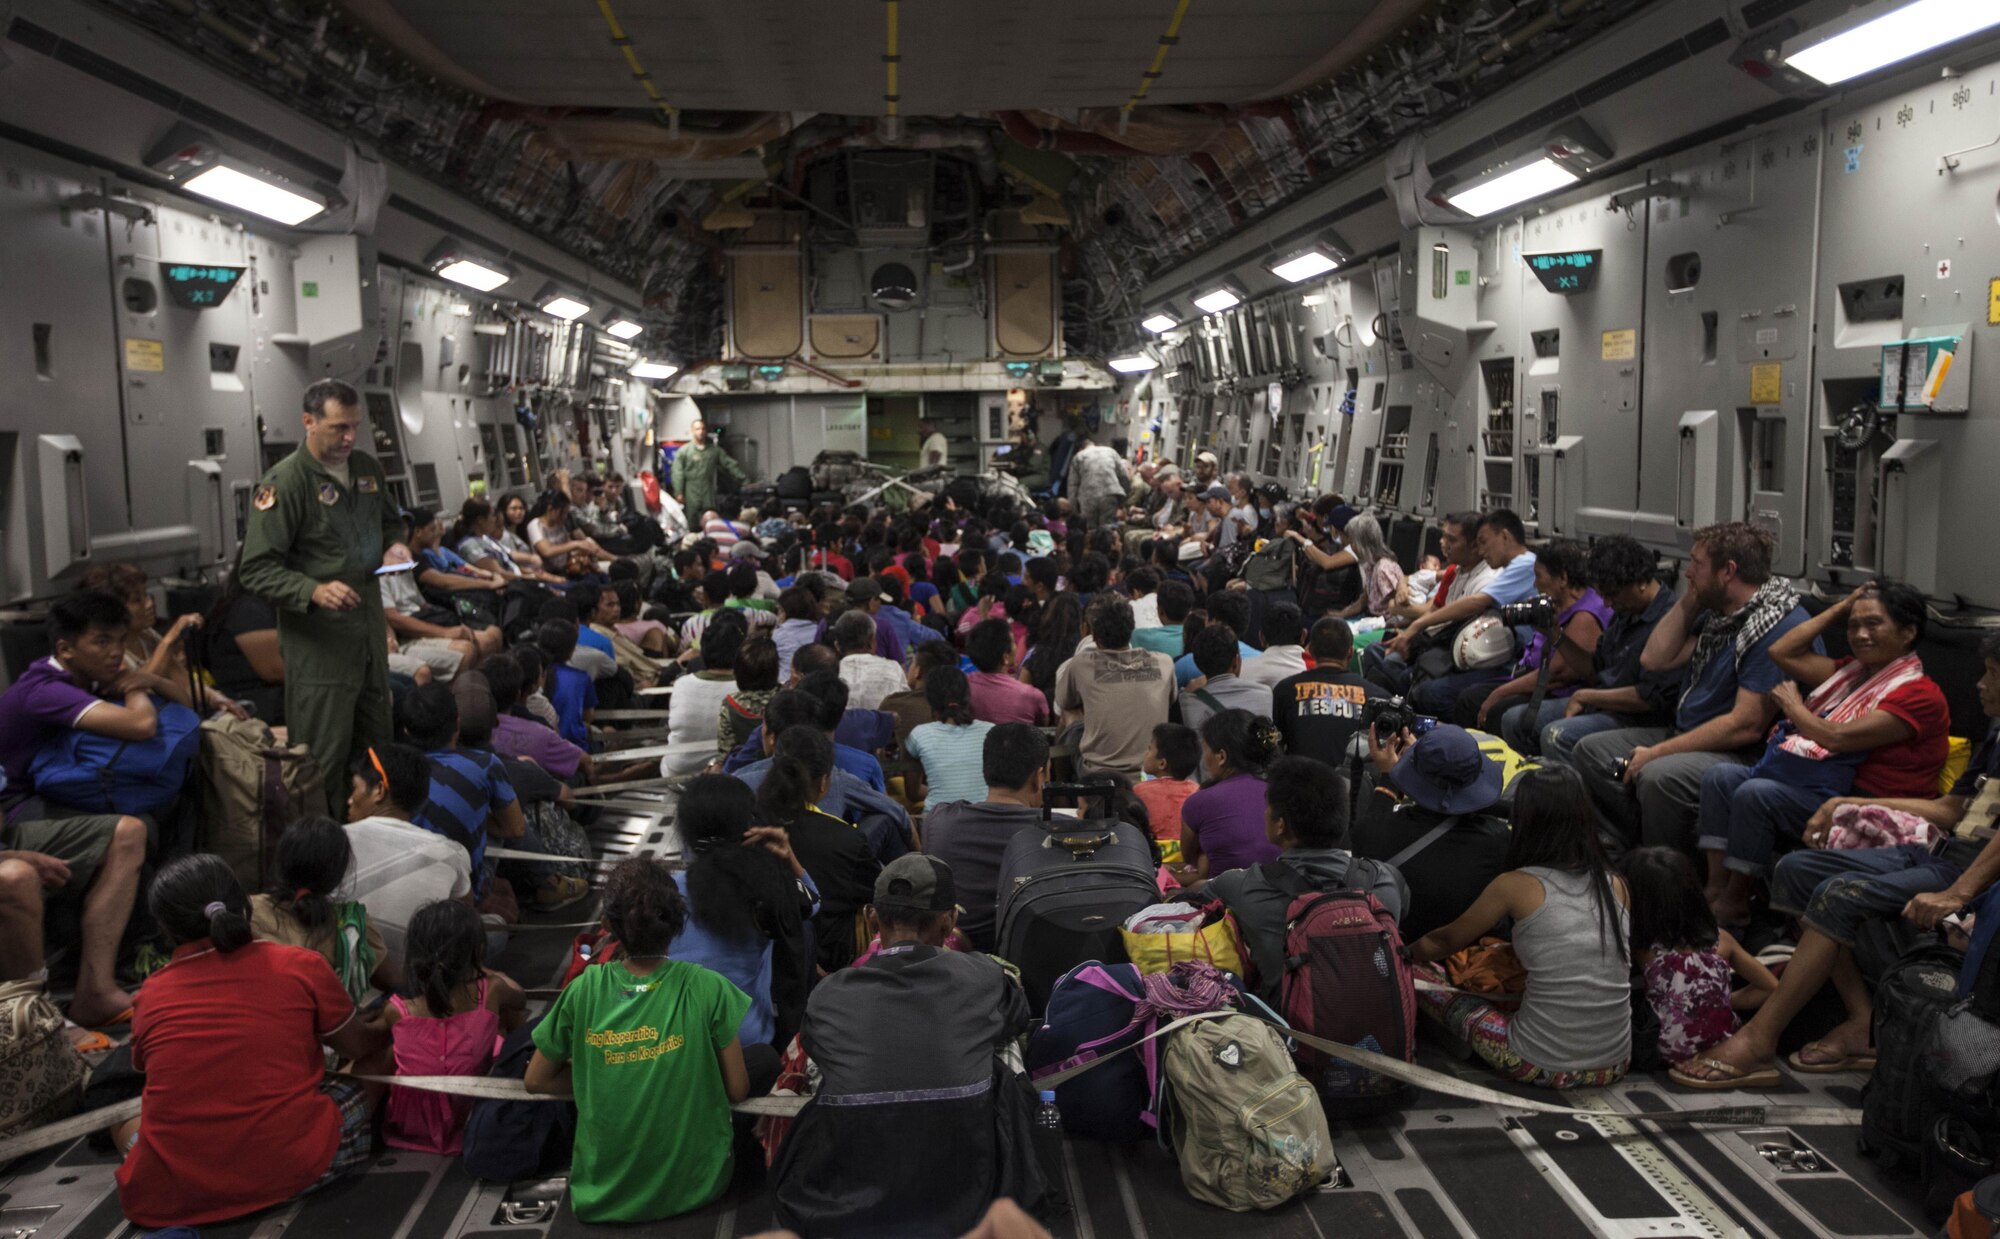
{"x": 1066, "y": 889}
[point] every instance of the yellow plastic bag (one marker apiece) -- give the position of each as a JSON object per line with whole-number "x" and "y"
{"x": 1216, "y": 944}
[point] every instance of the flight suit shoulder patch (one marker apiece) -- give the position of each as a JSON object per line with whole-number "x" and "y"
{"x": 365, "y": 485}
{"x": 329, "y": 494}
{"x": 265, "y": 498}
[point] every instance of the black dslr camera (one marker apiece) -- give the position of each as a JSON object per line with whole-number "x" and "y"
{"x": 1536, "y": 612}
{"x": 1391, "y": 716}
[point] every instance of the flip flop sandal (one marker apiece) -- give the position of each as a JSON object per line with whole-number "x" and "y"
{"x": 1831, "y": 1066}
{"x": 1733, "y": 1077}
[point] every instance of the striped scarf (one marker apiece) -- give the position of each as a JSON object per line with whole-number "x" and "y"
{"x": 1848, "y": 694}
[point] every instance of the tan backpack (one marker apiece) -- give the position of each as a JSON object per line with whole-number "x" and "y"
{"x": 41, "y": 1074}
{"x": 1246, "y": 1126}
{"x": 251, "y": 789}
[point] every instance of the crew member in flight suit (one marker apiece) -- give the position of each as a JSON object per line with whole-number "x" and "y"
{"x": 696, "y": 465}
{"x": 321, "y": 522}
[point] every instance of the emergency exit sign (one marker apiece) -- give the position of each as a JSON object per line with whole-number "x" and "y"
{"x": 195, "y": 287}
{"x": 1565, "y": 272}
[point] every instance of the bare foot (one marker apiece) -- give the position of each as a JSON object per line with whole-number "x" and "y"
{"x": 1738, "y": 1052}
{"x": 1729, "y": 911}
{"x": 1848, "y": 1040}
{"x": 97, "y": 1009}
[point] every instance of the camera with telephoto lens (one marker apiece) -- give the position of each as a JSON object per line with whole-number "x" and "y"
{"x": 1391, "y": 716}
{"x": 1536, "y": 612}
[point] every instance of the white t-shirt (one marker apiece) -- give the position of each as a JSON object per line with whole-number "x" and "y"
{"x": 399, "y": 868}
{"x": 934, "y": 444}
{"x": 870, "y": 678}
{"x": 539, "y": 532}
{"x": 694, "y": 715}
{"x": 1465, "y": 584}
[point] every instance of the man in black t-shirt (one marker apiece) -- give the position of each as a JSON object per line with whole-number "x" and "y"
{"x": 1319, "y": 711}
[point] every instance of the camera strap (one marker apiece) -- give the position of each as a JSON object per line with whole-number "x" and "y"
{"x": 1551, "y": 638}
{"x": 1403, "y": 857}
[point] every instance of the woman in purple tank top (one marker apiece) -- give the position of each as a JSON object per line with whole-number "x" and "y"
{"x": 1581, "y": 615}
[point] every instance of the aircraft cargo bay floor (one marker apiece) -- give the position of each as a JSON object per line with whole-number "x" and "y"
{"x": 1442, "y": 1166}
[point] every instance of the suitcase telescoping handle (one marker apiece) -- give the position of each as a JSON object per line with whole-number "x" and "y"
{"x": 1101, "y": 790}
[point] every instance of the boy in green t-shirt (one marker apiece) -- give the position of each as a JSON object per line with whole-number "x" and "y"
{"x": 648, "y": 1047}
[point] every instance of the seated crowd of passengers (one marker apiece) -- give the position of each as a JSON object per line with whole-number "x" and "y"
{"x": 865, "y": 709}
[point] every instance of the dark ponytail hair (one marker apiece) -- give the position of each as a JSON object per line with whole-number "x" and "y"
{"x": 1555, "y": 827}
{"x": 473, "y": 511}
{"x": 198, "y": 897}
{"x": 1247, "y": 742}
{"x": 1197, "y": 619}
{"x": 445, "y": 947}
{"x": 949, "y": 695}
{"x": 732, "y": 889}
{"x": 313, "y": 856}
{"x": 802, "y": 758}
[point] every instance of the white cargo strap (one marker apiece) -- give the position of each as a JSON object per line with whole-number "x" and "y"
{"x": 1439, "y": 1082}
{"x": 501, "y": 1088}
{"x": 49, "y": 1135}
{"x": 551, "y": 858}
{"x": 483, "y": 1088}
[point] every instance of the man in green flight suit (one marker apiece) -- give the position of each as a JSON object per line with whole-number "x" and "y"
{"x": 321, "y": 522}
{"x": 1026, "y": 459}
{"x": 695, "y": 467}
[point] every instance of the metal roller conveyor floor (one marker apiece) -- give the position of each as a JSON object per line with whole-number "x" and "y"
{"x": 1440, "y": 1167}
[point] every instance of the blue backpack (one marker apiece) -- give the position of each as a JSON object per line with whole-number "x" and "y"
{"x": 97, "y": 774}
{"x": 1090, "y": 1014}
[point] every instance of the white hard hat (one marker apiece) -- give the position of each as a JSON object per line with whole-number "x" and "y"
{"x": 1483, "y": 644}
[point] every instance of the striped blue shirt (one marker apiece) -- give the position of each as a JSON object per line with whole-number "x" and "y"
{"x": 466, "y": 788}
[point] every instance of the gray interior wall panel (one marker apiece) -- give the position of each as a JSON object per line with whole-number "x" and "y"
{"x": 1740, "y": 339}
{"x": 167, "y": 410}
{"x": 1597, "y": 389}
{"x": 55, "y": 287}
{"x": 1890, "y": 209}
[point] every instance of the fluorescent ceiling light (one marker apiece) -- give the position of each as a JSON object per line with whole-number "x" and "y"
{"x": 1884, "y": 33}
{"x": 1304, "y": 266}
{"x": 653, "y": 370}
{"x": 472, "y": 274}
{"x": 226, "y": 185}
{"x": 1532, "y": 180}
{"x": 565, "y": 307}
{"x": 1216, "y": 300}
{"x": 623, "y": 328}
{"x": 1133, "y": 363}
{"x": 1159, "y": 324}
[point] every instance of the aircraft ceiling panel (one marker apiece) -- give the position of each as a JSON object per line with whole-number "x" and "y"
{"x": 957, "y": 55}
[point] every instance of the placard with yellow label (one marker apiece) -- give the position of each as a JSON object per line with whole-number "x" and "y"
{"x": 1621, "y": 345}
{"x": 149, "y": 356}
{"x": 1767, "y": 383}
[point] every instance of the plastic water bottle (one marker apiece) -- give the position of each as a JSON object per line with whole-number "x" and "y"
{"x": 1047, "y": 1117}
{"x": 1048, "y": 1139}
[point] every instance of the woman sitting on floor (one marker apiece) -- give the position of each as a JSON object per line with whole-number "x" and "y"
{"x": 1574, "y": 1026}
{"x": 239, "y": 1111}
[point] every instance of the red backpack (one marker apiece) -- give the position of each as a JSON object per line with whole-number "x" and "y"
{"x": 592, "y": 946}
{"x": 1346, "y": 980}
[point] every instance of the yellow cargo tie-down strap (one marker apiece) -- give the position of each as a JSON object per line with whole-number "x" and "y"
{"x": 490, "y": 1088}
